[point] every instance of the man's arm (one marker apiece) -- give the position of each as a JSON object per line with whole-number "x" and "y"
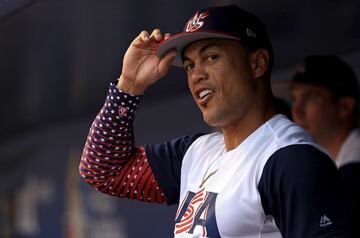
{"x": 300, "y": 188}
{"x": 350, "y": 180}
{"x": 110, "y": 161}
{"x": 112, "y": 164}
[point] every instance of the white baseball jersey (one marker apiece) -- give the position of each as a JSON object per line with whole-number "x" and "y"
{"x": 276, "y": 183}
{"x": 233, "y": 178}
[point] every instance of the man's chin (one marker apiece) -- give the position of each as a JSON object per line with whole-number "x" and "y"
{"x": 211, "y": 121}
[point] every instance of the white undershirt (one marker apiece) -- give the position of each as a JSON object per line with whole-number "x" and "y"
{"x": 350, "y": 149}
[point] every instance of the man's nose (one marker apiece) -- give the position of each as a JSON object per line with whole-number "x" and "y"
{"x": 199, "y": 74}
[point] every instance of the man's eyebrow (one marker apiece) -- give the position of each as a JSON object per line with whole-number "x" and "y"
{"x": 308, "y": 93}
{"x": 203, "y": 49}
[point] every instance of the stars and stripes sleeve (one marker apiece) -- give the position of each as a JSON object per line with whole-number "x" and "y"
{"x": 110, "y": 162}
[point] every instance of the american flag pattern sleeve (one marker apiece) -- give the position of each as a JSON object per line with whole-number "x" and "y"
{"x": 110, "y": 162}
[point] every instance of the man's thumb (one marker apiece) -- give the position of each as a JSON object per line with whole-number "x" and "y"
{"x": 165, "y": 62}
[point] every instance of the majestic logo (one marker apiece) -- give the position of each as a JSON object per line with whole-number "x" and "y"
{"x": 196, "y": 22}
{"x": 197, "y": 211}
{"x": 325, "y": 221}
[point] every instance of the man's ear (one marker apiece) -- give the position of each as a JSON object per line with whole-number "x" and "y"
{"x": 346, "y": 107}
{"x": 259, "y": 62}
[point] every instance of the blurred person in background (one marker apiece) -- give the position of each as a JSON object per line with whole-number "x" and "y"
{"x": 325, "y": 97}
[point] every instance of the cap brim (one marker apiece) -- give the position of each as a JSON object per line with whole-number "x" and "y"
{"x": 181, "y": 40}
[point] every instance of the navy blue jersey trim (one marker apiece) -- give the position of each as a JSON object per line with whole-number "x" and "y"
{"x": 300, "y": 188}
{"x": 350, "y": 181}
{"x": 166, "y": 160}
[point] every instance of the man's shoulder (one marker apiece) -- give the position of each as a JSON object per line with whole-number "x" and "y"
{"x": 285, "y": 137}
{"x": 350, "y": 149}
{"x": 298, "y": 164}
{"x": 287, "y": 132}
{"x": 300, "y": 161}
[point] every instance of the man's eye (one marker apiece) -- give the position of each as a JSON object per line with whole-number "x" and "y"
{"x": 310, "y": 97}
{"x": 212, "y": 57}
{"x": 188, "y": 67}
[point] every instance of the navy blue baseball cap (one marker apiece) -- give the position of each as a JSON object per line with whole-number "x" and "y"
{"x": 225, "y": 22}
{"x": 329, "y": 72}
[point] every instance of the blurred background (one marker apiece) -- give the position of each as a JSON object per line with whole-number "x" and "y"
{"x": 57, "y": 58}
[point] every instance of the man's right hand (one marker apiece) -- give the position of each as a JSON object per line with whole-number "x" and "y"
{"x": 141, "y": 65}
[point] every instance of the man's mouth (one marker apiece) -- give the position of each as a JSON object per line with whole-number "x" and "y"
{"x": 204, "y": 93}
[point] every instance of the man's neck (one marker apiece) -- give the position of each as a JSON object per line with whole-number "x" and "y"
{"x": 235, "y": 133}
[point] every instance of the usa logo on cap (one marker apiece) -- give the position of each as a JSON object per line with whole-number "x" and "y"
{"x": 196, "y": 22}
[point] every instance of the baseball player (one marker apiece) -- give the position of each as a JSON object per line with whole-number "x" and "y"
{"x": 261, "y": 176}
{"x": 325, "y": 96}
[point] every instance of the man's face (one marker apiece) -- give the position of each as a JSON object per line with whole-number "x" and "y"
{"x": 315, "y": 109}
{"x": 220, "y": 80}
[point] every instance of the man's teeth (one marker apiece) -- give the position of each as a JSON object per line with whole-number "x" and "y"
{"x": 204, "y": 93}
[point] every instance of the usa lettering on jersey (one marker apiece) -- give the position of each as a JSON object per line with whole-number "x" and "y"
{"x": 197, "y": 211}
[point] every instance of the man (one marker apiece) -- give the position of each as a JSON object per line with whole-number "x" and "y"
{"x": 326, "y": 103}
{"x": 262, "y": 176}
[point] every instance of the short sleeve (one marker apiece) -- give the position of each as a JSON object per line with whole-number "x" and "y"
{"x": 300, "y": 188}
{"x": 166, "y": 160}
